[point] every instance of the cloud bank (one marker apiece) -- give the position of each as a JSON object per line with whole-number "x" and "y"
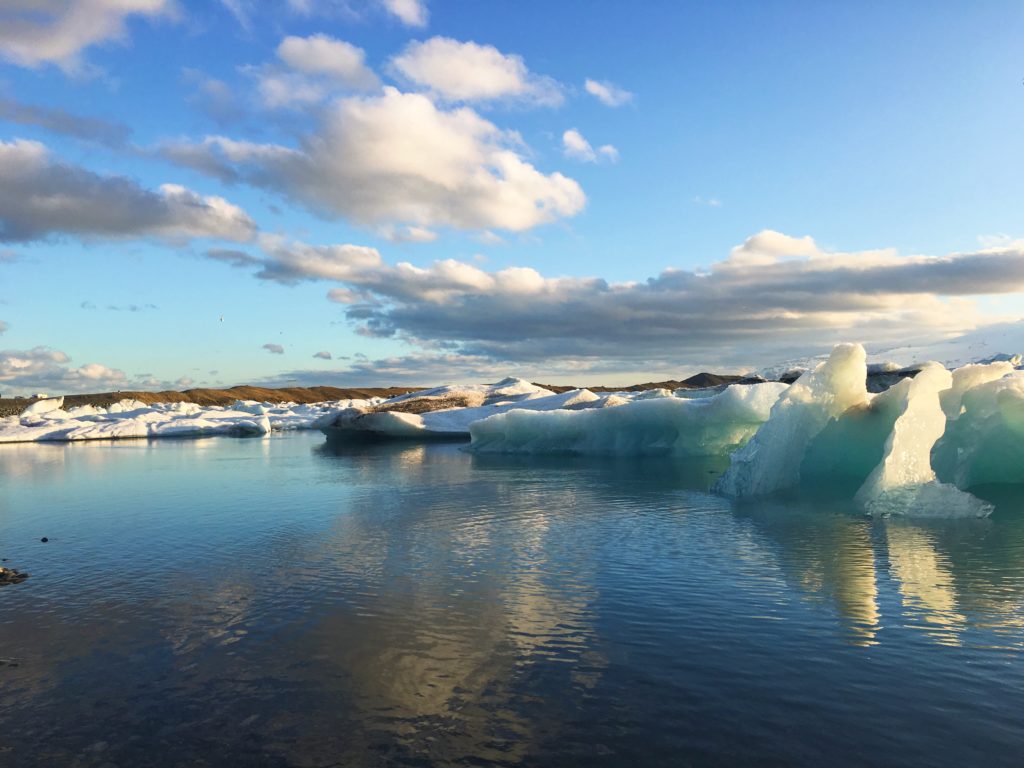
{"x": 773, "y": 296}
{"x": 41, "y": 196}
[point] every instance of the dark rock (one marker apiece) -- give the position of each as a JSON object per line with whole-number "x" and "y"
{"x": 11, "y": 576}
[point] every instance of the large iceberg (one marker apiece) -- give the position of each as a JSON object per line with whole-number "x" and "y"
{"x": 828, "y": 428}
{"x": 771, "y": 460}
{"x": 667, "y": 425}
{"x": 914, "y": 449}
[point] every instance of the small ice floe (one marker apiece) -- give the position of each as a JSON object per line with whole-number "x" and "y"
{"x": 446, "y": 412}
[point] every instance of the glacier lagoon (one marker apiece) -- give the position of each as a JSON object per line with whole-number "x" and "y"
{"x": 284, "y": 601}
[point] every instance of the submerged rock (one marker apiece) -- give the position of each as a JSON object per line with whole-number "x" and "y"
{"x": 11, "y": 576}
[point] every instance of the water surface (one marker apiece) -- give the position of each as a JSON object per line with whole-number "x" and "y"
{"x": 279, "y": 602}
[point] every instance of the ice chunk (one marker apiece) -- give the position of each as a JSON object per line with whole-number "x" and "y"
{"x": 134, "y": 419}
{"x": 712, "y": 426}
{"x": 904, "y": 483}
{"x": 43, "y": 406}
{"x": 772, "y": 459}
{"x": 985, "y": 442}
{"x": 968, "y": 377}
{"x": 386, "y": 421}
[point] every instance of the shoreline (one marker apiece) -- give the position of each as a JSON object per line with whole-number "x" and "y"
{"x": 308, "y": 395}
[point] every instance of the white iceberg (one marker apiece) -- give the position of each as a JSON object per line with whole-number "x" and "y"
{"x": 904, "y": 482}
{"x": 658, "y": 424}
{"x": 390, "y": 420}
{"x": 771, "y": 460}
{"x": 47, "y": 421}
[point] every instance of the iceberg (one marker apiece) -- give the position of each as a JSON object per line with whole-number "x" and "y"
{"x": 904, "y": 482}
{"x": 914, "y": 449}
{"x": 984, "y": 439}
{"x": 650, "y": 424}
{"x": 47, "y": 421}
{"x": 771, "y": 460}
{"x": 447, "y": 412}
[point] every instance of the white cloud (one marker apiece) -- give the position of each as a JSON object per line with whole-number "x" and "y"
{"x": 710, "y": 202}
{"x": 45, "y": 369}
{"x": 412, "y": 13}
{"x": 408, "y": 234}
{"x": 578, "y": 148}
{"x": 312, "y": 69}
{"x": 328, "y": 56}
{"x": 33, "y": 33}
{"x": 607, "y": 93}
{"x": 774, "y": 296}
{"x": 40, "y": 196}
{"x": 3, "y": 326}
{"x": 322, "y": 356}
{"x": 456, "y": 71}
{"x": 274, "y": 349}
{"x": 398, "y": 159}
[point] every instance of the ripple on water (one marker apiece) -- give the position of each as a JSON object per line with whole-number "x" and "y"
{"x": 279, "y": 602}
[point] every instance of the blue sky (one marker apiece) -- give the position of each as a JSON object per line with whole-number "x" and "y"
{"x": 430, "y": 191}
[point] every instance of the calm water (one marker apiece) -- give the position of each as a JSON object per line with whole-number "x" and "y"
{"x": 278, "y": 602}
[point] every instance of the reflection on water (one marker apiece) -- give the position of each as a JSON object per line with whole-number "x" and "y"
{"x": 282, "y": 602}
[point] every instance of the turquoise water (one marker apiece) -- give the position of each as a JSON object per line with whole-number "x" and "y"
{"x": 280, "y": 602}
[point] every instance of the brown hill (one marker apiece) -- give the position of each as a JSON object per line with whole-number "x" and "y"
{"x": 10, "y": 407}
{"x": 697, "y": 381}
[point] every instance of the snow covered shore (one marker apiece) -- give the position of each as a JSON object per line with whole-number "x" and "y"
{"x": 46, "y": 420}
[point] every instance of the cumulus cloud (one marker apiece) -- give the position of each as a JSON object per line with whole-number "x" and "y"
{"x": 412, "y": 13}
{"x": 457, "y": 71}
{"x": 33, "y": 33}
{"x": 397, "y": 158}
{"x": 312, "y": 69}
{"x": 607, "y": 93}
{"x": 578, "y": 148}
{"x": 322, "y": 355}
{"x": 45, "y": 369}
{"x": 327, "y": 56}
{"x": 65, "y": 123}
{"x": 41, "y": 196}
{"x": 773, "y": 296}
{"x": 274, "y": 349}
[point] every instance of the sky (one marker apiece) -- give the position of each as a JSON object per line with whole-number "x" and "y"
{"x": 395, "y": 192}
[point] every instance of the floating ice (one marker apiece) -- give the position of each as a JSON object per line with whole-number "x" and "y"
{"x": 771, "y": 460}
{"x": 984, "y": 443}
{"x": 410, "y": 416}
{"x": 648, "y": 425}
{"x": 904, "y": 483}
{"x": 968, "y": 425}
{"x": 47, "y": 421}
